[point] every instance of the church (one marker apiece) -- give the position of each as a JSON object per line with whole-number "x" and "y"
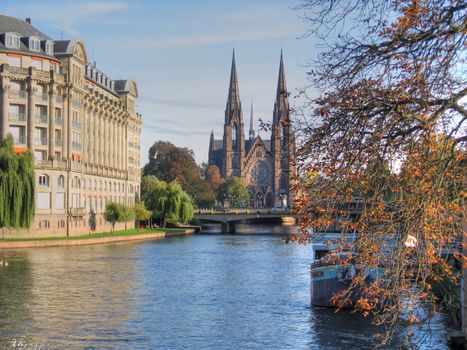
{"x": 267, "y": 166}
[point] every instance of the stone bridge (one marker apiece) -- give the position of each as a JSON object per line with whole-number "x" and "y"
{"x": 229, "y": 220}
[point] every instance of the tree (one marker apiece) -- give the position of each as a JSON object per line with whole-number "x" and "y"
{"x": 140, "y": 213}
{"x": 390, "y": 120}
{"x": 169, "y": 202}
{"x": 168, "y": 163}
{"x": 116, "y": 212}
{"x": 213, "y": 177}
{"x": 17, "y": 187}
{"x": 234, "y": 191}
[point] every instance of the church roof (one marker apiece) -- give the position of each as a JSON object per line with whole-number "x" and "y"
{"x": 218, "y": 145}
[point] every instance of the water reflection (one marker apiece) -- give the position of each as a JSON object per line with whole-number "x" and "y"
{"x": 207, "y": 291}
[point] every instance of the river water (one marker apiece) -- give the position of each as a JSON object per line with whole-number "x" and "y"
{"x": 196, "y": 292}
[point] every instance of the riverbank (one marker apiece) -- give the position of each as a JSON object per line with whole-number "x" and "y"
{"x": 96, "y": 238}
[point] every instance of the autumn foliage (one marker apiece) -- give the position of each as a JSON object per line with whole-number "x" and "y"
{"x": 388, "y": 134}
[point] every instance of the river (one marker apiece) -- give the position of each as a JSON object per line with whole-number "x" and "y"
{"x": 197, "y": 292}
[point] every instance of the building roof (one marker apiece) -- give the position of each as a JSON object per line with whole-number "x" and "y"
{"x": 122, "y": 85}
{"x": 23, "y": 28}
{"x": 10, "y": 24}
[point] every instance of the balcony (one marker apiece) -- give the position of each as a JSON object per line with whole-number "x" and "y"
{"x": 42, "y": 118}
{"x": 77, "y": 211}
{"x": 18, "y": 70}
{"x": 43, "y": 74}
{"x": 58, "y": 120}
{"x": 20, "y": 140}
{"x": 18, "y": 94}
{"x": 17, "y": 116}
{"x": 76, "y": 146}
{"x": 42, "y": 141}
{"x": 76, "y": 125}
{"x": 43, "y": 97}
{"x": 44, "y": 163}
{"x": 59, "y": 143}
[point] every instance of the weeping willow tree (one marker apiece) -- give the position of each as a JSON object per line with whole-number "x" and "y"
{"x": 17, "y": 187}
{"x": 169, "y": 202}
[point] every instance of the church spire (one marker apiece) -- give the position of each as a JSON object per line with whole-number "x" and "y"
{"x": 281, "y": 107}
{"x": 233, "y": 102}
{"x": 251, "y": 133}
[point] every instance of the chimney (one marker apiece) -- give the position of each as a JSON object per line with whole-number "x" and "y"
{"x": 28, "y": 20}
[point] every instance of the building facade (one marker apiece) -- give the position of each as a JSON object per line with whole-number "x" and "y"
{"x": 81, "y": 125}
{"x": 267, "y": 166}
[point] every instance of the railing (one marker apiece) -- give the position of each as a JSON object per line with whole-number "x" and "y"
{"x": 58, "y": 120}
{"x": 43, "y": 74}
{"x": 76, "y": 146}
{"x": 43, "y": 118}
{"x": 18, "y": 70}
{"x": 43, "y": 97}
{"x": 76, "y": 125}
{"x": 18, "y": 94}
{"x": 77, "y": 211}
{"x": 17, "y": 116}
{"x": 20, "y": 140}
{"x": 58, "y": 99}
{"x": 42, "y": 141}
{"x": 44, "y": 162}
{"x": 59, "y": 143}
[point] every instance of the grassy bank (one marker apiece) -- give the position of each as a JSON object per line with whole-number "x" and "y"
{"x": 128, "y": 232}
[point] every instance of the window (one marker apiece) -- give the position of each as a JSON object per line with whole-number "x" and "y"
{"x": 40, "y": 155}
{"x": 60, "y": 200}
{"x": 74, "y": 200}
{"x": 12, "y": 41}
{"x": 36, "y": 63}
{"x": 75, "y": 183}
{"x": 61, "y": 181}
{"x": 44, "y": 224}
{"x": 43, "y": 180}
{"x": 14, "y": 61}
{"x": 34, "y": 44}
{"x": 61, "y": 224}
{"x": 43, "y": 200}
{"x": 49, "y": 48}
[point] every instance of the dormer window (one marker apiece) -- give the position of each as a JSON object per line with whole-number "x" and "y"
{"x": 12, "y": 40}
{"x": 49, "y": 47}
{"x": 34, "y": 44}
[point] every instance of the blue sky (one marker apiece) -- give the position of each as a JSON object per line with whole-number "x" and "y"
{"x": 179, "y": 52}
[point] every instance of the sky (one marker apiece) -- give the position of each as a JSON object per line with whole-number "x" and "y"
{"x": 179, "y": 52}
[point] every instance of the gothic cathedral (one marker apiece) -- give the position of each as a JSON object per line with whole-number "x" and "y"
{"x": 267, "y": 166}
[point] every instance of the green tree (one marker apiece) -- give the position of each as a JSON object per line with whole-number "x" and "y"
{"x": 141, "y": 213}
{"x": 17, "y": 187}
{"x": 116, "y": 212}
{"x": 234, "y": 191}
{"x": 168, "y": 162}
{"x": 169, "y": 202}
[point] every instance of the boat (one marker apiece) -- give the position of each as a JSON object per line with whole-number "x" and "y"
{"x": 332, "y": 272}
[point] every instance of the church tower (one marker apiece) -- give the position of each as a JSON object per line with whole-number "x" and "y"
{"x": 234, "y": 137}
{"x": 282, "y": 144}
